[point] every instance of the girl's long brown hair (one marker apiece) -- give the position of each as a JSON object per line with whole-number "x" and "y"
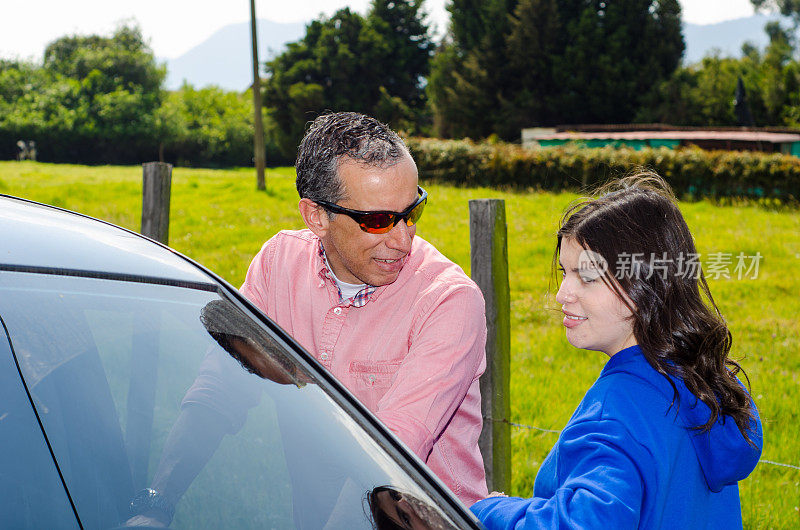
{"x": 634, "y": 223}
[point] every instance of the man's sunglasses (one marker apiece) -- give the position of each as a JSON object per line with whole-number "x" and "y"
{"x": 380, "y": 222}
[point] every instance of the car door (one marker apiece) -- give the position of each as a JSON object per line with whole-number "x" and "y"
{"x": 150, "y": 383}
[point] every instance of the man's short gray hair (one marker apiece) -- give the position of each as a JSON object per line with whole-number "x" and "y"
{"x": 332, "y": 137}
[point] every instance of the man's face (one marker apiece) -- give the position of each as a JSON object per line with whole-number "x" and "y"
{"x": 360, "y": 257}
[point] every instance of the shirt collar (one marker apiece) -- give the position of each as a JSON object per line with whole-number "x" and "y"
{"x": 361, "y": 297}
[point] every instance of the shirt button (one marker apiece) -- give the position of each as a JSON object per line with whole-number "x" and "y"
{"x": 337, "y": 310}
{"x": 323, "y": 356}
{"x": 371, "y": 378}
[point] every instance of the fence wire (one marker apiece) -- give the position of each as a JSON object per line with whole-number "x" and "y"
{"x": 558, "y": 431}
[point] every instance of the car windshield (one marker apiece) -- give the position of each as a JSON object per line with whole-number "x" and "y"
{"x": 138, "y": 385}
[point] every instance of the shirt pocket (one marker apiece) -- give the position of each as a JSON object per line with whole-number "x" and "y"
{"x": 374, "y": 374}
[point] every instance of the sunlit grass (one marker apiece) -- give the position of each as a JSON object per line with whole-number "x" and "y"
{"x": 220, "y": 220}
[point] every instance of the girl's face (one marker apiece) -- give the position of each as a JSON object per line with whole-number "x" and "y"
{"x": 595, "y": 318}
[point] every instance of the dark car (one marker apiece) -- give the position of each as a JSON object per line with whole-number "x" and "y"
{"x": 138, "y": 388}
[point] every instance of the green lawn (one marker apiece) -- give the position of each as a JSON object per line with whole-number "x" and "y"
{"x": 220, "y": 220}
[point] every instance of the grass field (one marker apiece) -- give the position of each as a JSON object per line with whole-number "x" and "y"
{"x": 220, "y": 220}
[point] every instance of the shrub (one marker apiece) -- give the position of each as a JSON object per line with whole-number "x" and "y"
{"x": 692, "y": 172}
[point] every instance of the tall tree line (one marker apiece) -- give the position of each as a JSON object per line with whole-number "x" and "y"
{"x": 508, "y": 64}
{"x": 502, "y": 66}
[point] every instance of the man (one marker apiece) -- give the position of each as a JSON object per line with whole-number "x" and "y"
{"x": 400, "y": 325}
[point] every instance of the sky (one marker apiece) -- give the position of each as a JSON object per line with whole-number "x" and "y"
{"x": 175, "y": 26}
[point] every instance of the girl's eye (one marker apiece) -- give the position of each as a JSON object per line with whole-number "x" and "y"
{"x": 587, "y": 279}
{"x": 405, "y": 518}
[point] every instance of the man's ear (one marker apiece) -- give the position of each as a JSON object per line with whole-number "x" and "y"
{"x": 315, "y": 217}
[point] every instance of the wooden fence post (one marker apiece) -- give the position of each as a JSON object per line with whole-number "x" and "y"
{"x": 156, "y": 184}
{"x": 488, "y": 241}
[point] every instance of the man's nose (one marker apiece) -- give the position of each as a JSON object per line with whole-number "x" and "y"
{"x": 399, "y": 237}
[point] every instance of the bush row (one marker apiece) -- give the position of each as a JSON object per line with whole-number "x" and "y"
{"x": 692, "y": 172}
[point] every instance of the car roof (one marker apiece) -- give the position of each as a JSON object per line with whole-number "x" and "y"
{"x": 41, "y": 238}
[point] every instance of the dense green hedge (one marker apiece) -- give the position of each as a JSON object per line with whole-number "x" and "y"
{"x": 692, "y": 172}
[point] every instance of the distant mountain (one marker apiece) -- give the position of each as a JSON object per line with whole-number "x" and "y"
{"x": 224, "y": 59}
{"x": 727, "y": 37}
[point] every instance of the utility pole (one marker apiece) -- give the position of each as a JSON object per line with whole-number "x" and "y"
{"x": 258, "y": 142}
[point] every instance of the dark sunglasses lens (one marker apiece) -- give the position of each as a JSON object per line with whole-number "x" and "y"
{"x": 381, "y": 222}
{"x": 416, "y": 213}
{"x": 377, "y": 223}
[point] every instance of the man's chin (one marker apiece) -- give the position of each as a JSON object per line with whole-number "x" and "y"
{"x": 380, "y": 278}
{"x": 383, "y": 279}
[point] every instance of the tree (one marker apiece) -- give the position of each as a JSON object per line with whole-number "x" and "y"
{"x": 94, "y": 99}
{"x": 468, "y": 22}
{"x": 674, "y": 100}
{"x": 616, "y": 51}
{"x": 703, "y": 93}
{"x": 208, "y": 127}
{"x": 547, "y": 62}
{"x": 532, "y": 46}
{"x": 470, "y": 74}
{"x": 120, "y": 92}
{"x": 459, "y": 91}
{"x": 330, "y": 68}
{"x": 373, "y": 65}
{"x": 788, "y": 8}
{"x": 123, "y": 61}
{"x": 402, "y": 26}
{"x": 36, "y": 105}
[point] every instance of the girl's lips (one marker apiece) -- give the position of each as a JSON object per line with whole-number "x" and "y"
{"x": 571, "y": 320}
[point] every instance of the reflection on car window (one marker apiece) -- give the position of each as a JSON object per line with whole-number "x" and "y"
{"x": 177, "y": 390}
{"x": 250, "y": 344}
{"x": 31, "y": 493}
{"x": 394, "y": 509}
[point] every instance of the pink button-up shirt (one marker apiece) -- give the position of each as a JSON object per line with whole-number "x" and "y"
{"x": 412, "y": 353}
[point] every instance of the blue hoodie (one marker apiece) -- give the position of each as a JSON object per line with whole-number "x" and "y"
{"x": 629, "y": 459}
